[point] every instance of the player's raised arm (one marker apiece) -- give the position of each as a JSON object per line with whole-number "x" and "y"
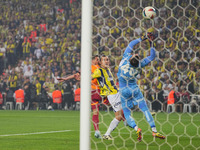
{"x": 130, "y": 46}
{"x": 134, "y": 42}
{"x": 150, "y": 58}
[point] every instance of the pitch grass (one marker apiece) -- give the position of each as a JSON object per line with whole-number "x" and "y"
{"x": 182, "y": 131}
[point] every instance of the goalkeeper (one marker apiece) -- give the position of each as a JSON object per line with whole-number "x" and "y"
{"x": 129, "y": 68}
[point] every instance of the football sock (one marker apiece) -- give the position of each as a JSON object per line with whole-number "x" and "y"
{"x": 143, "y": 107}
{"x": 129, "y": 119}
{"x": 114, "y": 123}
{"x": 97, "y": 131}
{"x": 136, "y": 128}
{"x": 95, "y": 119}
{"x": 154, "y": 129}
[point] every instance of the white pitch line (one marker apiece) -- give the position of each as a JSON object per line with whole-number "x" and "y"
{"x": 36, "y": 133}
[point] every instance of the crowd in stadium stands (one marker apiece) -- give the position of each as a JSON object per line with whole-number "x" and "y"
{"x": 40, "y": 41}
{"x": 178, "y": 48}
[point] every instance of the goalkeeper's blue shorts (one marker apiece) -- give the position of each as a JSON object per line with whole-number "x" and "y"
{"x": 133, "y": 95}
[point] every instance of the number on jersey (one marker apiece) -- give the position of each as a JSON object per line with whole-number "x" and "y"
{"x": 127, "y": 69}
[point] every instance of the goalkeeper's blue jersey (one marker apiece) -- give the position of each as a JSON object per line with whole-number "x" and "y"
{"x": 127, "y": 73}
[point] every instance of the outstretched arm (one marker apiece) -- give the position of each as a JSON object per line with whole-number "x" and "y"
{"x": 148, "y": 59}
{"x": 131, "y": 44}
{"x": 76, "y": 76}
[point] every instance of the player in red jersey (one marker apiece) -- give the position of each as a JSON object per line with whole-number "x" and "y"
{"x": 95, "y": 94}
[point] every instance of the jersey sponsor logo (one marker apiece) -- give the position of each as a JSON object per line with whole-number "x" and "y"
{"x": 117, "y": 104}
{"x": 101, "y": 83}
{"x": 110, "y": 79}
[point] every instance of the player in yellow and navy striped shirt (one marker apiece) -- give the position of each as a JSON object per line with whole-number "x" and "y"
{"x": 108, "y": 88}
{"x": 105, "y": 79}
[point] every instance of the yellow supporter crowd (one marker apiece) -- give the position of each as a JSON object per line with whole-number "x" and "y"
{"x": 40, "y": 40}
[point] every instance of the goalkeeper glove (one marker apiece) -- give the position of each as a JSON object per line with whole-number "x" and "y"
{"x": 151, "y": 36}
{"x": 143, "y": 37}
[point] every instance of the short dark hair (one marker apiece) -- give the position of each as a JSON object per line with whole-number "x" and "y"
{"x": 102, "y": 57}
{"x": 134, "y": 61}
{"x": 93, "y": 57}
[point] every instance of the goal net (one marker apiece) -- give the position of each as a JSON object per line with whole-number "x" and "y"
{"x": 176, "y": 67}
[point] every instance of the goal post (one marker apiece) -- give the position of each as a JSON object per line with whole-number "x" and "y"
{"x": 86, "y": 53}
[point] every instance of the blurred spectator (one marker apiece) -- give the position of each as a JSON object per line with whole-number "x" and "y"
{"x": 57, "y": 98}
{"x": 197, "y": 86}
{"x": 45, "y": 53}
{"x": 41, "y": 75}
{"x": 51, "y": 86}
{"x": 55, "y": 76}
{"x": 13, "y": 81}
{"x": 167, "y": 87}
{"x": 185, "y": 95}
{"x": 2, "y": 57}
{"x": 171, "y": 99}
{"x": 18, "y": 68}
{"x": 9, "y": 96}
{"x": 38, "y": 52}
{"x": 68, "y": 96}
{"x": 44, "y": 99}
{"x": 19, "y": 96}
{"x": 38, "y": 87}
{"x": 33, "y": 48}
{"x": 26, "y": 47}
{"x": 27, "y": 85}
{"x": 190, "y": 86}
{"x": 33, "y": 36}
{"x": 27, "y": 65}
{"x": 1, "y": 100}
{"x": 55, "y": 67}
{"x": 28, "y": 73}
{"x": 178, "y": 101}
{"x": 33, "y": 102}
{"x": 10, "y": 52}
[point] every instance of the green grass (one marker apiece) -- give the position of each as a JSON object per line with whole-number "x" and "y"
{"x": 183, "y": 129}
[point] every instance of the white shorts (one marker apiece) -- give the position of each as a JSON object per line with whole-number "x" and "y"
{"x": 115, "y": 101}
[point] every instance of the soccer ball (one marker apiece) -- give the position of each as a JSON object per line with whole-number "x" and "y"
{"x": 149, "y": 12}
